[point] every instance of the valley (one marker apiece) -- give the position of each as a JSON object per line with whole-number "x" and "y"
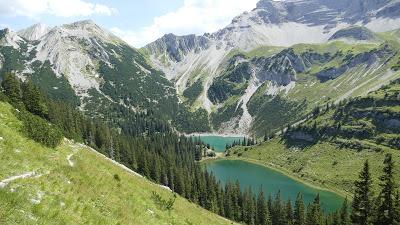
{"x": 289, "y": 114}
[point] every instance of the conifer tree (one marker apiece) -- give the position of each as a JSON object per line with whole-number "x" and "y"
{"x": 278, "y": 215}
{"x": 314, "y": 213}
{"x": 228, "y": 203}
{"x": 397, "y": 208}
{"x": 289, "y": 213}
{"x": 344, "y": 213}
{"x": 335, "y": 219}
{"x": 12, "y": 88}
{"x": 263, "y": 217}
{"x": 362, "y": 201}
{"x": 299, "y": 210}
{"x": 385, "y": 214}
{"x": 33, "y": 99}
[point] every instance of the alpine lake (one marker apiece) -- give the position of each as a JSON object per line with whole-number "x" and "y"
{"x": 257, "y": 177}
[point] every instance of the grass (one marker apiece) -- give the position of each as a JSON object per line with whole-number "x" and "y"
{"x": 85, "y": 193}
{"x": 324, "y": 165}
{"x": 335, "y": 154}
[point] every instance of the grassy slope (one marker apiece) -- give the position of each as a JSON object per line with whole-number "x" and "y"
{"x": 329, "y": 163}
{"x": 85, "y": 193}
{"x": 324, "y": 164}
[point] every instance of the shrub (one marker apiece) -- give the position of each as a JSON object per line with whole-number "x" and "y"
{"x": 117, "y": 178}
{"x": 163, "y": 204}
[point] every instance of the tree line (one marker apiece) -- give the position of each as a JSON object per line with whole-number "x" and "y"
{"x": 151, "y": 148}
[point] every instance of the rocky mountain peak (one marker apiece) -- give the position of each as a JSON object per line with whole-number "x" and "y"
{"x": 178, "y": 46}
{"x": 10, "y": 38}
{"x": 34, "y": 32}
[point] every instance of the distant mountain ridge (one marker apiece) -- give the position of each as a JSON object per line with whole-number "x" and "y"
{"x": 278, "y": 24}
{"x": 266, "y": 62}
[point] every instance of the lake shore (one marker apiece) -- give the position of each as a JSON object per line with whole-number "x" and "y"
{"x": 283, "y": 171}
{"x": 214, "y": 134}
{"x": 304, "y": 180}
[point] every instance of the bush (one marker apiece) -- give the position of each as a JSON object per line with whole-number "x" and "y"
{"x": 40, "y": 130}
{"x": 163, "y": 204}
{"x": 117, "y": 178}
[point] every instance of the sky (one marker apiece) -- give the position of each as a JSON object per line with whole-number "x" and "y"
{"x": 138, "y": 22}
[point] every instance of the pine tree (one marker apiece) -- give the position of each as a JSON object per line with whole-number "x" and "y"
{"x": 237, "y": 200}
{"x": 278, "y": 211}
{"x": 299, "y": 216}
{"x": 344, "y": 214}
{"x": 33, "y": 99}
{"x": 12, "y": 87}
{"x": 263, "y": 217}
{"x": 335, "y": 219}
{"x": 248, "y": 209}
{"x": 228, "y": 203}
{"x": 386, "y": 200}
{"x": 397, "y": 209}
{"x": 289, "y": 213}
{"x": 362, "y": 201}
{"x": 314, "y": 212}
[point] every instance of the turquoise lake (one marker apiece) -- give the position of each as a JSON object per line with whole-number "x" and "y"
{"x": 219, "y": 142}
{"x": 271, "y": 181}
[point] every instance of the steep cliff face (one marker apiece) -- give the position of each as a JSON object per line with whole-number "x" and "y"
{"x": 34, "y": 32}
{"x": 177, "y": 47}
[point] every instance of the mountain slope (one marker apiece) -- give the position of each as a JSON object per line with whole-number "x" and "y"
{"x": 336, "y": 140}
{"x": 74, "y": 184}
{"x": 35, "y": 32}
{"x": 202, "y": 61}
{"x": 93, "y": 69}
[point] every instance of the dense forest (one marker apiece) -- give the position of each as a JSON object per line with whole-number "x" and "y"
{"x": 150, "y": 147}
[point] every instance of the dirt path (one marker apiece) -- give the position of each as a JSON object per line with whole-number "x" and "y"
{"x": 6, "y": 181}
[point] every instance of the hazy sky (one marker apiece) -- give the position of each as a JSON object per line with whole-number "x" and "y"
{"x": 136, "y": 21}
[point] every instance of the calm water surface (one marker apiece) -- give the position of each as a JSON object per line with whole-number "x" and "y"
{"x": 256, "y": 176}
{"x": 219, "y": 142}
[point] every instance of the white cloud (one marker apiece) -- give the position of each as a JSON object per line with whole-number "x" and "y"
{"x": 61, "y": 8}
{"x": 195, "y": 16}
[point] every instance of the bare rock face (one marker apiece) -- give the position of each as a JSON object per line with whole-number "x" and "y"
{"x": 280, "y": 68}
{"x": 34, "y": 32}
{"x": 355, "y": 33}
{"x": 178, "y": 46}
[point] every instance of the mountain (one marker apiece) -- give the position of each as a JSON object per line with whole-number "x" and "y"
{"x": 266, "y": 69}
{"x": 9, "y": 39}
{"x": 91, "y": 68}
{"x": 198, "y": 65}
{"x": 74, "y": 184}
{"x": 335, "y": 140}
{"x": 35, "y": 32}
